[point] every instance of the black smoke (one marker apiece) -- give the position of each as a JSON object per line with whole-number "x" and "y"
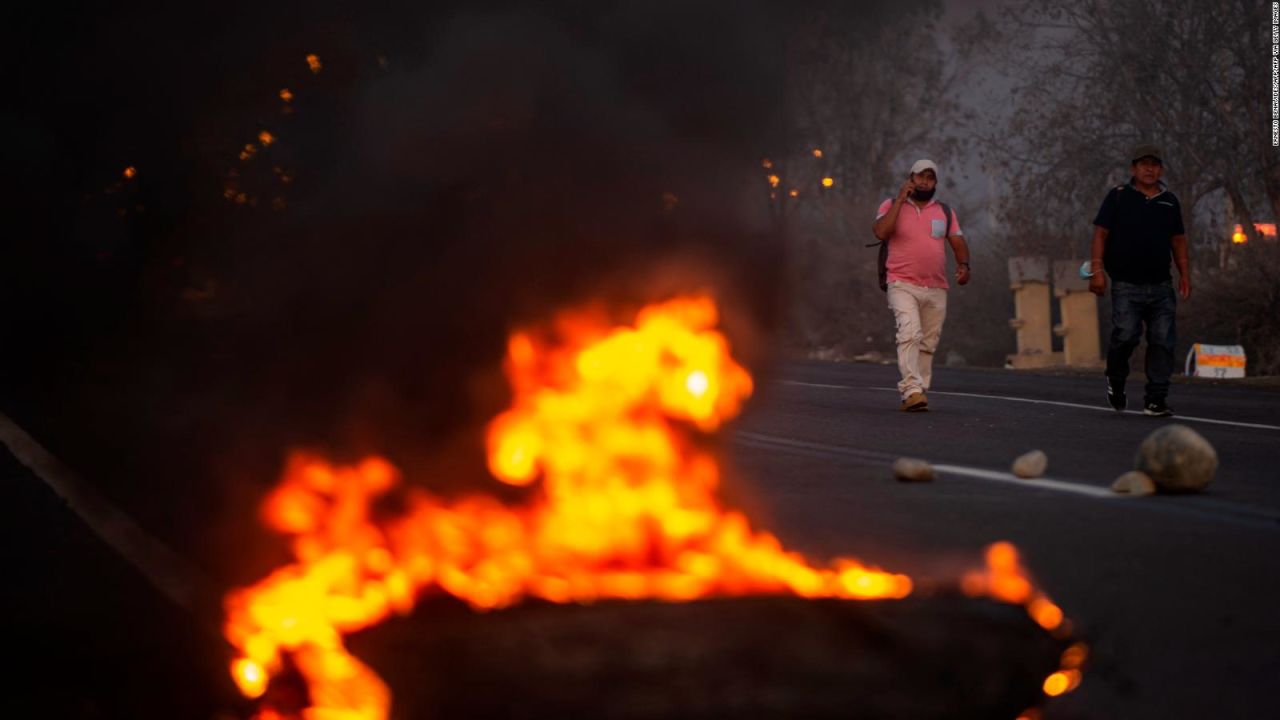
{"x": 527, "y": 161}
{"x": 454, "y": 171}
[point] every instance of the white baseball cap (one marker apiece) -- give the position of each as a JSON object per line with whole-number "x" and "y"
{"x": 922, "y": 165}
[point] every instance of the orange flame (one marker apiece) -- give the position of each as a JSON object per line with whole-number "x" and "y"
{"x": 1061, "y": 682}
{"x": 604, "y": 426}
{"x": 1005, "y": 579}
{"x": 1263, "y": 229}
{"x": 313, "y": 62}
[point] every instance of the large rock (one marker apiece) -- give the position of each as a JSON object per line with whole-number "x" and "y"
{"x": 912, "y": 470}
{"x": 1134, "y": 483}
{"x": 1177, "y": 459}
{"x": 1031, "y": 465}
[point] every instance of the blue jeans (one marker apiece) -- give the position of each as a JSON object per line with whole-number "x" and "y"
{"x": 1133, "y": 306}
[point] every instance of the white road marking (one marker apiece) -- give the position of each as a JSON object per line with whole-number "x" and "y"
{"x": 1187, "y": 418}
{"x": 819, "y": 385}
{"x": 870, "y": 457}
{"x": 874, "y": 457}
{"x": 165, "y": 569}
{"x": 1042, "y": 483}
{"x": 1203, "y": 508}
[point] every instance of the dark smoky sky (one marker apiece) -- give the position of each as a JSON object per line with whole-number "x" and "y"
{"x": 453, "y": 169}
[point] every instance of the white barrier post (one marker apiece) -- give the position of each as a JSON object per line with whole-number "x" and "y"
{"x": 1029, "y": 280}
{"x": 1079, "y": 310}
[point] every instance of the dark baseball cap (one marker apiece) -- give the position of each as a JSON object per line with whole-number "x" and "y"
{"x": 1141, "y": 151}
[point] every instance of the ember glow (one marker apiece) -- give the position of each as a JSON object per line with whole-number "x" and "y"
{"x": 1005, "y": 579}
{"x": 610, "y": 428}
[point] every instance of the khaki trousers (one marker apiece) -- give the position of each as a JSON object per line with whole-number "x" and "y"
{"x": 918, "y": 313}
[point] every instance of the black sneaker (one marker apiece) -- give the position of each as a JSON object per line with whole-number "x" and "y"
{"x": 1115, "y": 395}
{"x": 1157, "y": 408}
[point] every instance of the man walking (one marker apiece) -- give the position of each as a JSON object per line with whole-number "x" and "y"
{"x": 1137, "y": 230}
{"x": 917, "y": 275}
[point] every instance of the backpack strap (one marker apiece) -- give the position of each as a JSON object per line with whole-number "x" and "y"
{"x": 883, "y": 259}
{"x": 946, "y": 210}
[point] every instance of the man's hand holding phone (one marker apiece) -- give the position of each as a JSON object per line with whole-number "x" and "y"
{"x": 907, "y": 188}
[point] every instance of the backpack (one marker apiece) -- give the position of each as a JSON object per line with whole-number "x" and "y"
{"x": 882, "y": 262}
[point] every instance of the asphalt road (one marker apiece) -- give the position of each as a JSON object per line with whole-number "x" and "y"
{"x": 1177, "y": 595}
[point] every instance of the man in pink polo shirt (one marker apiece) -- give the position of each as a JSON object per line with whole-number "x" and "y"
{"x": 915, "y": 228}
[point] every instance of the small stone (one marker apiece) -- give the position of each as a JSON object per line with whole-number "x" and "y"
{"x": 1178, "y": 459}
{"x": 912, "y": 470}
{"x": 1134, "y": 483}
{"x": 1031, "y": 465}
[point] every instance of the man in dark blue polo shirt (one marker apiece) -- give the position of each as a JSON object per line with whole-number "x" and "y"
{"x": 1137, "y": 232}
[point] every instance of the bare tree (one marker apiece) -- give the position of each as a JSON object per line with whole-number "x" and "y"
{"x": 1091, "y": 78}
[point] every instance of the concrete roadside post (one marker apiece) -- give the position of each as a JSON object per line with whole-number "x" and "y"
{"x": 1078, "y": 309}
{"x": 1029, "y": 280}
